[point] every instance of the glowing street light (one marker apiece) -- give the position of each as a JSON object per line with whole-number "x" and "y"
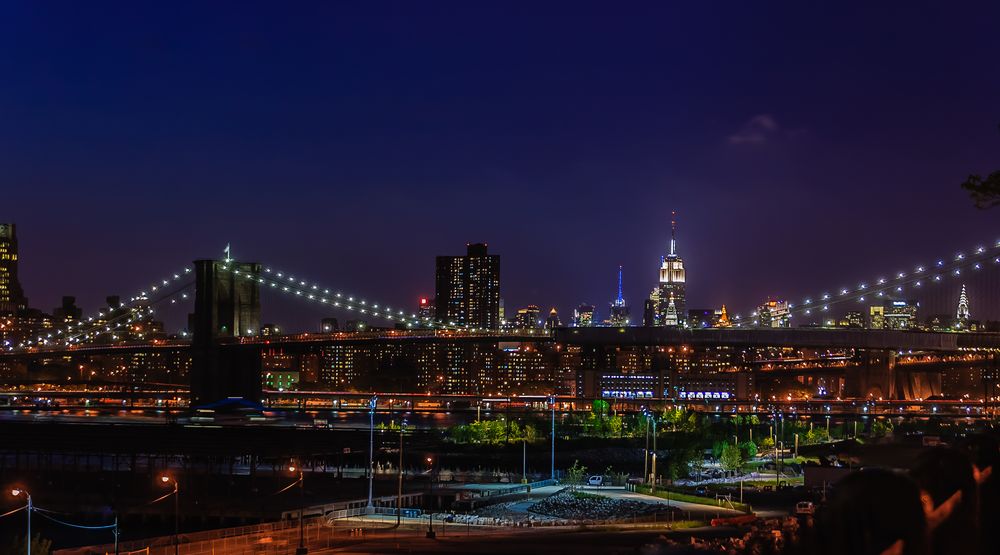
{"x": 301, "y": 550}
{"x": 16, "y": 492}
{"x": 166, "y": 480}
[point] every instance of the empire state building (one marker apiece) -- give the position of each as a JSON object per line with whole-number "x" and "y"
{"x": 672, "y": 285}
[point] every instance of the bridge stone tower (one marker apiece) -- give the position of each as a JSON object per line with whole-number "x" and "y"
{"x": 226, "y": 307}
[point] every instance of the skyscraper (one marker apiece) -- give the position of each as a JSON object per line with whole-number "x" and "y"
{"x": 12, "y": 297}
{"x": 619, "y": 308}
{"x": 672, "y": 283}
{"x": 962, "y": 315}
{"x": 468, "y": 288}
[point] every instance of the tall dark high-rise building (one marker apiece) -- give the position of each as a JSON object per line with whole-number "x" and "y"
{"x": 468, "y": 288}
{"x": 12, "y": 298}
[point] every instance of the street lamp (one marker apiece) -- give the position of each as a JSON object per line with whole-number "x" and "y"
{"x": 167, "y": 479}
{"x": 552, "y": 404}
{"x": 302, "y": 507}
{"x": 645, "y": 452}
{"x": 16, "y": 492}
{"x": 653, "y": 487}
{"x": 371, "y": 447}
{"x": 399, "y": 491}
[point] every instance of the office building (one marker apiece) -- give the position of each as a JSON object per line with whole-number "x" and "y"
{"x": 853, "y": 319}
{"x": 553, "y": 321}
{"x": 527, "y": 317}
{"x": 876, "y": 317}
{"x": 672, "y": 285}
{"x": 900, "y": 315}
{"x": 467, "y": 288}
{"x": 67, "y": 312}
{"x": 773, "y": 314}
{"x": 583, "y": 316}
{"x": 700, "y": 317}
{"x": 425, "y": 310}
{"x": 12, "y": 298}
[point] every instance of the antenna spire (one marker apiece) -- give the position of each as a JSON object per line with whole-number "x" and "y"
{"x": 621, "y": 300}
{"x": 673, "y": 233}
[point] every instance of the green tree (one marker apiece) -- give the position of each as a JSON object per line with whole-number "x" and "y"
{"x": 881, "y": 428}
{"x": 615, "y": 426}
{"x": 731, "y": 458}
{"x": 748, "y": 449}
{"x": 717, "y": 448}
{"x": 816, "y": 435}
{"x": 576, "y": 473}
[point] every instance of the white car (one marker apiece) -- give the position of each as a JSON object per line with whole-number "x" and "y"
{"x": 595, "y": 481}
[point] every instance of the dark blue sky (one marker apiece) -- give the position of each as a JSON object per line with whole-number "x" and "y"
{"x": 805, "y": 146}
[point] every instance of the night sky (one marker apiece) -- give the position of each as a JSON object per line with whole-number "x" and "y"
{"x": 804, "y": 147}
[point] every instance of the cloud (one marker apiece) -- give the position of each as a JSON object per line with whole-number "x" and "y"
{"x": 757, "y": 130}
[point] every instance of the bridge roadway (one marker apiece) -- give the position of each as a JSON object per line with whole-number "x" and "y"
{"x": 818, "y": 338}
{"x": 176, "y": 400}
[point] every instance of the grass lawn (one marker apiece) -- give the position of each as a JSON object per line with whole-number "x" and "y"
{"x": 689, "y": 498}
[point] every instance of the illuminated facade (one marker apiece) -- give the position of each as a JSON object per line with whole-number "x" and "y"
{"x": 723, "y": 320}
{"x": 672, "y": 284}
{"x": 900, "y": 315}
{"x": 876, "y": 317}
{"x": 12, "y": 298}
{"x": 583, "y": 316}
{"x": 527, "y": 317}
{"x": 962, "y": 314}
{"x": 553, "y": 320}
{"x": 773, "y": 314}
{"x": 468, "y": 288}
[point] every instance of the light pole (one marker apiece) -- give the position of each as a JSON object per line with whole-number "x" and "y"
{"x": 524, "y": 460}
{"x": 552, "y": 404}
{"x": 371, "y": 447}
{"x": 645, "y": 452}
{"x": 430, "y": 522}
{"x": 167, "y": 479}
{"x": 17, "y": 492}
{"x": 399, "y": 491}
{"x": 302, "y": 507}
{"x": 653, "y": 486}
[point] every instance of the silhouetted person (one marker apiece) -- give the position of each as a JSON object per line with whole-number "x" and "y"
{"x": 869, "y": 513}
{"x": 942, "y": 472}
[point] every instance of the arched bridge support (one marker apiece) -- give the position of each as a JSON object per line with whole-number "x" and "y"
{"x": 226, "y": 308}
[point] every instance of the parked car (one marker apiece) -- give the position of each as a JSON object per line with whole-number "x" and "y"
{"x": 805, "y": 508}
{"x": 595, "y": 481}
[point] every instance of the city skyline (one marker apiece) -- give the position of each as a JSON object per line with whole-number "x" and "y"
{"x": 468, "y": 294}
{"x": 831, "y": 164}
